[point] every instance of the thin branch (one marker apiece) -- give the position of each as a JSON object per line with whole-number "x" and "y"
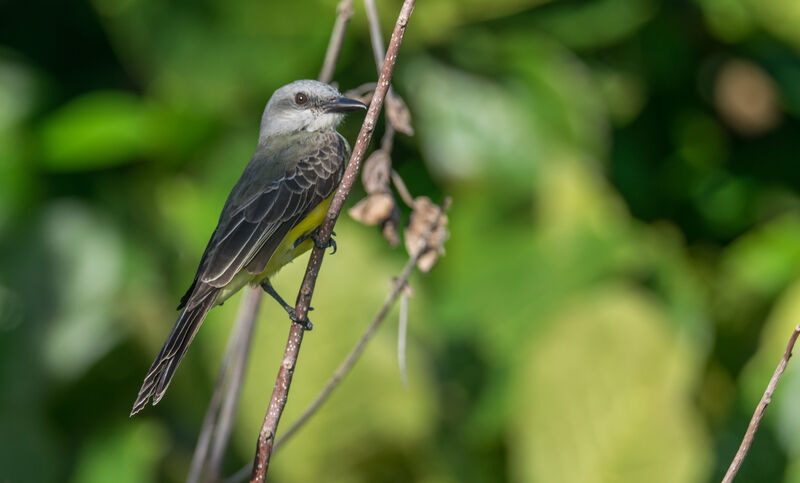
{"x": 387, "y": 141}
{"x": 402, "y": 190}
{"x": 343, "y": 13}
{"x": 397, "y": 113}
{"x": 375, "y": 35}
{"x": 238, "y": 369}
{"x": 266, "y": 437}
{"x": 216, "y": 425}
{"x": 402, "y": 333}
{"x": 210, "y": 419}
{"x": 755, "y": 421}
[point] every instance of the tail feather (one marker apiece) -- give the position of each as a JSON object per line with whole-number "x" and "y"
{"x": 174, "y": 348}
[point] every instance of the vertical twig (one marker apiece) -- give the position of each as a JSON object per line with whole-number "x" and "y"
{"x": 266, "y": 437}
{"x": 387, "y": 141}
{"x": 402, "y": 330}
{"x": 402, "y": 190}
{"x": 210, "y": 419}
{"x": 396, "y": 111}
{"x": 375, "y": 35}
{"x": 216, "y": 427}
{"x": 755, "y": 421}
{"x": 238, "y": 369}
{"x": 343, "y": 13}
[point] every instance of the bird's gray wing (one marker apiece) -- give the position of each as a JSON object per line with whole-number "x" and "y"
{"x": 275, "y": 192}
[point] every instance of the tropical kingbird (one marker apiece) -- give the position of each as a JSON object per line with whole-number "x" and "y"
{"x": 270, "y": 216}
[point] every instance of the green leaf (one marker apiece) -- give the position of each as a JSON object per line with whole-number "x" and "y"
{"x": 595, "y": 25}
{"x": 778, "y": 17}
{"x": 96, "y": 130}
{"x": 729, "y": 20}
{"x": 765, "y": 260}
{"x": 503, "y": 139}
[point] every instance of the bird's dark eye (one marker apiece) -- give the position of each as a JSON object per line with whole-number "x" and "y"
{"x": 301, "y": 98}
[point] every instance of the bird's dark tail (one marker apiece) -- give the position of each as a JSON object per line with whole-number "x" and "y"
{"x": 160, "y": 374}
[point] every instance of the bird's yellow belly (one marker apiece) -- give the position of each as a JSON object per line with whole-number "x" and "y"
{"x": 285, "y": 253}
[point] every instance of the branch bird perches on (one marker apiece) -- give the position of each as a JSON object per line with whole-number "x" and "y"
{"x": 266, "y": 437}
{"x": 217, "y": 423}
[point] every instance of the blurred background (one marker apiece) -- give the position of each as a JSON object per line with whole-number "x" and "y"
{"x": 622, "y": 274}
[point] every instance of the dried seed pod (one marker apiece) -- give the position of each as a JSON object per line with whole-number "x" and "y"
{"x": 397, "y": 114}
{"x": 376, "y": 172}
{"x": 390, "y": 228}
{"x": 422, "y": 217}
{"x": 373, "y": 209}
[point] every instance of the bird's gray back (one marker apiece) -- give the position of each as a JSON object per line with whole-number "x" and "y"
{"x": 286, "y": 179}
{"x": 278, "y": 158}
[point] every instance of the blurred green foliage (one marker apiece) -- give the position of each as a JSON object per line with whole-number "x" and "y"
{"x": 622, "y": 273}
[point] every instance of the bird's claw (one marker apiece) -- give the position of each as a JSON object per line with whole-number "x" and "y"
{"x": 319, "y": 244}
{"x": 267, "y": 286}
{"x": 305, "y": 323}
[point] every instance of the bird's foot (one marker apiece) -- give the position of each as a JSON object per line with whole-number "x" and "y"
{"x": 305, "y": 323}
{"x": 314, "y": 235}
{"x": 267, "y": 286}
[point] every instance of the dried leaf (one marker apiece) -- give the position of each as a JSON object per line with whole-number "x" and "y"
{"x": 373, "y": 209}
{"x": 376, "y": 172}
{"x": 397, "y": 114}
{"x": 422, "y": 217}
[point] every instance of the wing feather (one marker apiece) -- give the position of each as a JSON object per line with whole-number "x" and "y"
{"x": 254, "y": 227}
{"x": 262, "y": 203}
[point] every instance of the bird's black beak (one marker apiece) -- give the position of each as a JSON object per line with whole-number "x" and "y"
{"x": 344, "y": 104}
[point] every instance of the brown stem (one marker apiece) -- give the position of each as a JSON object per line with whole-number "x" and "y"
{"x": 387, "y": 141}
{"x": 755, "y": 421}
{"x": 266, "y": 437}
{"x": 375, "y": 35}
{"x": 343, "y": 13}
{"x": 210, "y": 419}
{"x": 402, "y": 333}
{"x": 217, "y": 423}
{"x": 396, "y": 111}
{"x": 402, "y": 190}
{"x": 249, "y": 310}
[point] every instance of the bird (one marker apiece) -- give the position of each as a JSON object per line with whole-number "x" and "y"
{"x": 270, "y": 216}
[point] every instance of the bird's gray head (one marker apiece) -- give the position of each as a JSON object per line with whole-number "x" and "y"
{"x": 305, "y": 105}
